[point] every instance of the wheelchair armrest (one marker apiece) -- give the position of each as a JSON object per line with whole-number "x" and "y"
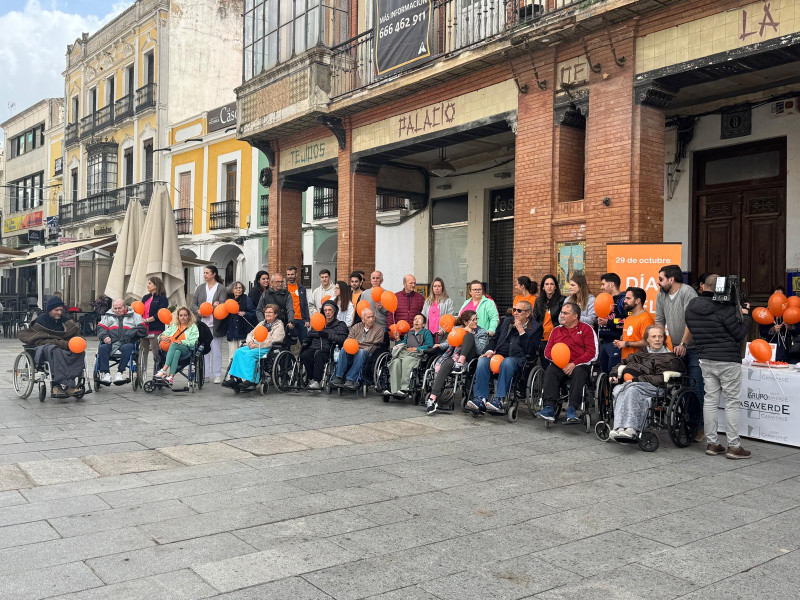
{"x": 620, "y": 369}
{"x": 669, "y": 375}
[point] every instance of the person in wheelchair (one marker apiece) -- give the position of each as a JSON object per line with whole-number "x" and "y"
{"x": 369, "y": 336}
{"x": 406, "y": 355}
{"x": 455, "y": 358}
{"x": 118, "y": 331}
{"x": 320, "y": 343}
{"x": 581, "y": 340}
{"x": 517, "y": 339}
{"x": 50, "y": 333}
{"x": 244, "y": 372}
{"x": 183, "y": 335}
{"x": 646, "y": 369}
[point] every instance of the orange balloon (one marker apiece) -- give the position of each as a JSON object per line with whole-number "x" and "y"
{"x": 77, "y": 345}
{"x": 389, "y": 301}
{"x": 762, "y": 316}
{"x": 206, "y": 309}
{"x": 362, "y": 304}
{"x": 456, "y": 336}
{"x": 627, "y": 377}
{"x": 232, "y": 306}
{"x": 760, "y": 350}
{"x": 392, "y": 330}
{"x": 777, "y": 304}
{"x": 324, "y": 300}
{"x": 221, "y": 312}
{"x": 560, "y": 355}
{"x": 376, "y": 294}
{"x": 260, "y": 333}
{"x": 403, "y": 327}
{"x": 138, "y": 307}
{"x": 603, "y": 304}
{"x": 791, "y": 315}
{"x": 447, "y": 322}
{"x": 317, "y": 321}
{"x": 165, "y": 344}
{"x": 350, "y": 346}
{"x": 494, "y": 363}
{"x": 165, "y": 316}
{"x": 793, "y": 302}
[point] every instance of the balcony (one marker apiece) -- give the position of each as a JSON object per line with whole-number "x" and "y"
{"x": 183, "y": 220}
{"x": 263, "y": 215}
{"x": 65, "y": 214}
{"x": 224, "y": 215}
{"x": 72, "y": 134}
{"x": 386, "y": 203}
{"x": 123, "y": 108}
{"x": 87, "y": 126}
{"x": 326, "y": 203}
{"x": 146, "y": 97}
{"x": 107, "y": 203}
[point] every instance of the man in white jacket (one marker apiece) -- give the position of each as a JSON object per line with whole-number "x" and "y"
{"x": 326, "y": 289}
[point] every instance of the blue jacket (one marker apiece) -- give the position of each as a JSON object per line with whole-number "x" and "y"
{"x": 157, "y": 304}
{"x": 305, "y": 315}
{"x": 239, "y": 327}
{"x": 613, "y": 331}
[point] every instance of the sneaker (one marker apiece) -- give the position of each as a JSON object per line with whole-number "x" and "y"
{"x": 626, "y": 434}
{"x": 613, "y": 433}
{"x": 548, "y": 413}
{"x": 159, "y": 375}
{"x": 168, "y": 380}
{"x": 495, "y": 406}
{"x": 57, "y": 392}
{"x": 336, "y": 381}
{"x": 714, "y": 449}
{"x": 105, "y": 378}
{"x": 350, "y": 385}
{"x": 229, "y": 383}
{"x": 217, "y": 379}
{"x": 431, "y": 406}
{"x": 572, "y": 415}
{"x": 701, "y": 435}
{"x": 119, "y": 377}
{"x": 737, "y": 452}
{"x": 631, "y": 432}
{"x": 72, "y": 390}
{"x": 477, "y": 405}
{"x": 314, "y": 385}
{"x": 399, "y": 394}
{"x": 458, "y": 367}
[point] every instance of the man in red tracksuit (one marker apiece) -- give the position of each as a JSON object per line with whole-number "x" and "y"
{"x": 581, "y": 340}
{"x": 409, "y": 303}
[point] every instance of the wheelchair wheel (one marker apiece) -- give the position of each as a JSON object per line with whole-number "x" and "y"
{"x": 683, "y": 417}
{"x": 534, "y": 389}
{"x": 587, "y": 422}
{"x": 136, "y": 380}
{"x": 96, "y": 379}
{"x": 381, "y": 373}
{"x": 149, "y": 386}
{"x": 282, "y": 369}
{"x": 199, "y": 372}
{"x": 648, "y": 441}
{"x": 42, "y": 392}
{"x": 511, "y": 412}
{"x": 600, "y": 394}
{"x": 263, "y": 386}
{"x": 601, "y": 430}
{"x": 24, "y": 374}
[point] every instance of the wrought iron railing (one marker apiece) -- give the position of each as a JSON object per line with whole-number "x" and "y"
{"x": 183, "y": 220}
{"x": 457, "y": 24}
{"x": 146, "y": 97}
{"x": 384, "y": 202}
{"x": 72, "y": 133}
{"x": 65, "y": 214}
{"x": 87, "y": 126}
{"x": 224, "y": 215}
{"x": 326, "y": 203}
{"x": 104, "y": 117}
{"x": 109, "y": 202}
{"x": 263, "y": 216}
{"x": 123, "y": 108}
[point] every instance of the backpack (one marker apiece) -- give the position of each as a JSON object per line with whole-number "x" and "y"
{"x": 205, "y": 337}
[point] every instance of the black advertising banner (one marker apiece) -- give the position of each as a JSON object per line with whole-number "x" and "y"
{"x": 403, "y": 33}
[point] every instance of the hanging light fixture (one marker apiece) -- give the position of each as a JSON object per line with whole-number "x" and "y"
{"x": 442, "y": 168}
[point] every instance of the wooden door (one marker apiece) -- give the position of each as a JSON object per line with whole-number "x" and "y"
{"x": 740, "y": 215}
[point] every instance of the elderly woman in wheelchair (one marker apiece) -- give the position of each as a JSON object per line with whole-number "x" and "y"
{"x": 407, "y": 355}
{"x": 642, "y": 374}
{"x": 244, "y": 372}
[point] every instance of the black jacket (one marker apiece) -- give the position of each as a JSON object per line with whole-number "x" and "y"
{"x": 239, "y": 327}
{"x": 283, "y": 299}
{"x": 526, "y": 345}
{"x": 553, "y": 306}
{"x": 716, "y": 329}
{"x": 157, "y": 304}
{"x": 334, "y": 333}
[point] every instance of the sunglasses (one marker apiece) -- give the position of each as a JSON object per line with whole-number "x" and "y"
{"x": 516, "y": 310}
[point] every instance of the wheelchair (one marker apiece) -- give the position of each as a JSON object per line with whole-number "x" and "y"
{"x": 135, "y": 374}
{"x": 524, "y": 385}
{"x": 456, "y": 383}
{"x": 263, "y": 370}
{"x": 594, "y": 398}
{"x": 27, "y": 373}
{"x": 416, "y": 381}
{"x": 194, "y": 365}
{"x": 287, "y": 372}
{"x": 675, "y": 409}
{"x": 374, "y": 364}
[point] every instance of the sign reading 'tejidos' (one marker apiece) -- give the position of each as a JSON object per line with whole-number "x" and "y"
{"x": 402, "y": 33}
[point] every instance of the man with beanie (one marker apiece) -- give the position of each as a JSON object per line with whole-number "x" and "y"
{"x": 318, "y": 351}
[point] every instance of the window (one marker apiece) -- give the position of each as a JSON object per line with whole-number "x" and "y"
{"x": 185, "y": 190}
{"x": 27, "y": 141}
{"x": 101, "y": 168}
{"x": 75, "y": 113}
{"x": 276, "y": 30}
{"x": 129, "y": 84}
{"x": 74, "y": 184}
{"x": 110, "y": 90}
{"x": 148, "y": 160}
{"x": 92, "y": 101}
{"x": 128, "y": 162}
{"x": 450, "y": 230}
{"x": 150, "y": 69}
{"x": 230, "y": 182}
{"x": 27, "y": 192}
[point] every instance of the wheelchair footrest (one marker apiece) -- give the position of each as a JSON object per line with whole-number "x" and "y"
{"x": 626, "y": 440}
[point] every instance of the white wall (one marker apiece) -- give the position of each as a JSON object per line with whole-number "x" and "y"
{"x": 395, "y": 253}
{"x": 677, "y": 212}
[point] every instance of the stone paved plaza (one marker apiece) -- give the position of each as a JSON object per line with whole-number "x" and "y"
{"x": 309, "y": 497}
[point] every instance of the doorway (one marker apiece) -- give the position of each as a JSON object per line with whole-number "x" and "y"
{"x": 739, "y": 213}
{"x": 501, "y": 248}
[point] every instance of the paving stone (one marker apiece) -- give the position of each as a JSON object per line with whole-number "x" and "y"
{"x": 47, "y": 582}
{"x": 178, "y": 585}
{"x": 402, "y": 428}
{"x": 11, "y": 498}
{"x": 267, "y": 444}
{"x": 168, "y": 557}
{"x": 197, "y": 454}
{"x": 345, "y": 479}
{"x": 359, "y": 434}
{"x": 118, "y": 518}
{"x": 195, "y": 472}
{"x": 83, "y": 488}
{"x": 130, "y": 462}
{"x": 12, "y": 478}
{"x": 262, "y": 567}
{"x": 412, "y": 592}
{"x": 36, "y": 511}
{"x": 242, "y": 496}
{"x": 26, "y": 533}
{"x": 48, "y": 472}
{"x": 386, "y": 539}
{"x": 294, "y": 588}
{"x": 83, "y": 451}
{"x": 314, "y": 439}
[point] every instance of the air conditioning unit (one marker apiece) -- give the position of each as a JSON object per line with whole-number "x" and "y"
{"x": 783, "y": 107}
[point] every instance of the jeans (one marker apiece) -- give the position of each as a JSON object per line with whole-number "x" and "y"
{"x": 354, "y": 373}
{"x": 609, "y": 356}
{"x": 552, "y": 385}
{"x": 692, "y": 361}
{"x": 483, "y": 374}
{"x": 722, "y": 378}
{"x": 175, "y": 353}
{"x": 104, "y": 352}
{"x": 298, "y": 331}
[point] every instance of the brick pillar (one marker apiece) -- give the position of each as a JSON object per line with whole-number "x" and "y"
{"x": 357, "y": 215}
{"x": 285, "y": 222}
{"x": 533, "y": 187}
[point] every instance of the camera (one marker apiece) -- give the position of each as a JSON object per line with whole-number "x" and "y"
{"x": 728, "y": 291}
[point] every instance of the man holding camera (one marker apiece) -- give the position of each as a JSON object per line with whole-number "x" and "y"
{"x": 718, "y": 330}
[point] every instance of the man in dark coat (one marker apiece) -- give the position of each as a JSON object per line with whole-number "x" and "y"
{"x": 318, "y": 351}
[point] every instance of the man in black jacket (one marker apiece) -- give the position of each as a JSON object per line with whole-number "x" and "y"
{"x": 517, "y": 339}
{"x": 317, "y": 353}
{"x": 277, "y": 294}
{"x": 718, "y": 330}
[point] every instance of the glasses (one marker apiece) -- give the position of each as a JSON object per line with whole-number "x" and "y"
{"x": 516, "y": 310}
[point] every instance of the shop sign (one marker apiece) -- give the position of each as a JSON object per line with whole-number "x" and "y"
{"x": 23, "y": 222}
{"x": 103, "y": 230}
{"x": 402, "y": 33}
{"x": 309, "y": 154}
{"x": 52, "y": 227}
{"x": 66, "y": 259}
{"x": 59, "y": 166}
{"x": 222, "y": 117}
{"x": 638, "y": 264}
{"x": 35, "y": 236}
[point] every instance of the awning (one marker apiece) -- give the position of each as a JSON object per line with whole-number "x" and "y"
{"x": 5, "y": 252}
{"x": 190, "y": 261}
{"x": 77, "y": 245}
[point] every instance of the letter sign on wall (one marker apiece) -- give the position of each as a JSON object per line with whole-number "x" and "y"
{"x": 402, "y": 34}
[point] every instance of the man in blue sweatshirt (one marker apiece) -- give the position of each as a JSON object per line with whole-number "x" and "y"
{"x": 610, "y": 328}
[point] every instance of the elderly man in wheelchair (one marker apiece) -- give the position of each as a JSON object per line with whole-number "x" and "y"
{"x": 118, "y": 331}
{"x": 369, "y": 335}
{"x": 517, "y": 339}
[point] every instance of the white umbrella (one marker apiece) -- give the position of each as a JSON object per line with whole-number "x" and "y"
{"x": 159, "y": 254}
{"x": 127, "y": 245}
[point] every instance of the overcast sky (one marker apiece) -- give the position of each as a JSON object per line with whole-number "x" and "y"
{"x": 33, "y": 43}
